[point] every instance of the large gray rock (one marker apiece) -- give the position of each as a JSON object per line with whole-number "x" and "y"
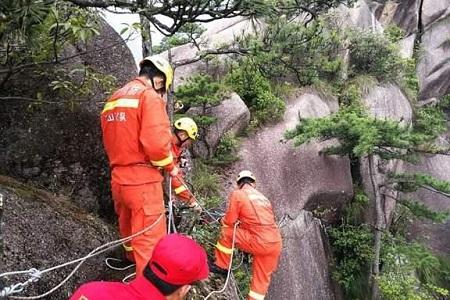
{"x": 434, "y": 11}
{"x": 360, "y": 16}
{"x": 435, "y": 235}
{"x": 403, "y": 13}
{"x": 41, "y": 230}
{"x": 232, "y": 116}
{"x": 283, "y": 170}
{"x": 434, "y": 68}
{"x": 303, "y": 272}
{"x": 387, "y": 101}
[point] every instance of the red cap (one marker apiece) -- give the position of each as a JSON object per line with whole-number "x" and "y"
{"x": 179, "y": 260}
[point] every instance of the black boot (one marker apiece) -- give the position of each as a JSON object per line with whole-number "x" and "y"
{"x": 213, "y": 268}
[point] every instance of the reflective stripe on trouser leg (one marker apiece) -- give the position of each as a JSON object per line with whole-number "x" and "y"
{"x": 223, "y": 252}
{"x": 262, "y": 268}
{"x": 255, "y": 295}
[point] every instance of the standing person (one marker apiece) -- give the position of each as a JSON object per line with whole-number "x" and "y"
{"x": 176, "y": 263}
{"x": 137, "y": 140}
{"x": 256, "y": 234}
{"x": 185, "y": 132}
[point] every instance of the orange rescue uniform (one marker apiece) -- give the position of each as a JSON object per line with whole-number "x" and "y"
{"x": 257, "y": 234}
{"x": 137, "y": 140}
{"x": 178, "y": 185}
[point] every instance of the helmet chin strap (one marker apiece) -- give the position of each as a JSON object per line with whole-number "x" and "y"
{"x": 159, "y": 91}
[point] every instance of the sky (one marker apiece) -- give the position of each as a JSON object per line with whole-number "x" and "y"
{"x": 116, "y": 21}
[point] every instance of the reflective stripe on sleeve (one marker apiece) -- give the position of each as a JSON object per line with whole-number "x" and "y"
{"x": 180, "y": 189}
{"x": 255, "y": 295}
{"x": 163, "y": 162}
{"x": 122, "y": 102}
{"x": 224, "y": 249}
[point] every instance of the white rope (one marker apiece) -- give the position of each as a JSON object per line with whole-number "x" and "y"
{"x": 7, "y": 291}
{"x": 171, "y": 220}
{"x": 127, "y": 278}
{"x": 229, "y": 266}
{"x": 107, "y": 262}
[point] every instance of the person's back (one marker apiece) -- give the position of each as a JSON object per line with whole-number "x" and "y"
{"x": 176, "y": 263}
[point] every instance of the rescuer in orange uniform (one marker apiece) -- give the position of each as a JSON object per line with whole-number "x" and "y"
{"x": 176, "y": 263}
{"x": 137, "y": 139}
{"x": 256, "y": 234}
{"x": 185, "y": 132}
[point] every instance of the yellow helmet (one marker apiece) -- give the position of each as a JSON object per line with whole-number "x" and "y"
{"x": 245, "y": 174}
{"x": 162, "y": 65}
{"x": 188, "y": 125}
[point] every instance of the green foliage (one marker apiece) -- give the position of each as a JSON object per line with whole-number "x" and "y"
{"x": 352, "y": 249}
{"x": 36, "y": 31}
{"x": 206, "y": 183}
{"x": 372, "y": 53}
{"x": 226, "y": 151}
{"x": 430, "y": 121}
{"x": 411, "y": 182}
{"x": 410, "y": 271}
{"x": 255, "y": 90}
{"x": 287, "y": 49}
{"x": 82, "y": 83}
{"x": 201, "y": 91}
{"x": 394, "y": 33}
{"x": 422, "y": 211}
{"x": 188, "y": 33}
{"x": 356, "y": 207}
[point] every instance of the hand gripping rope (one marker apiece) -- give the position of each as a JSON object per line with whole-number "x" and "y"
{"x": 229, "y": 266}
{"x": 36, "y": 274}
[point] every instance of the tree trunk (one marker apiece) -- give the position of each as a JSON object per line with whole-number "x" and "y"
{"x": 1, "y": 223}
{"x": 146, "y": 36}
{"x": 169, "y": 108}
{"x": 146, "y": 33}
{"x": 378, "y": 228}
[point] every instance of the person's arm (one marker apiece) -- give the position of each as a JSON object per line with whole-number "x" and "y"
{"x": 232, "y": 214}
{"x": 155, "y": 135}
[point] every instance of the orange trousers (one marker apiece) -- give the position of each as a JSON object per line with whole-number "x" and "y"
{"x": 137, "y": 207}
{"x": 265, "y": 257}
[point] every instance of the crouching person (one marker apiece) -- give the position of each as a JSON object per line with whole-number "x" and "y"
{"x": 177, "y": 262}
{"x": 256, "y": 234}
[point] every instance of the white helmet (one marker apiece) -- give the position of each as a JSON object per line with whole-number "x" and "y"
{"x": 245, "y": 174}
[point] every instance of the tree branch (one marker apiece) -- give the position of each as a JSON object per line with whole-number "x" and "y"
{"x": 434, "y": 190}
{"x": 205, "y": 53}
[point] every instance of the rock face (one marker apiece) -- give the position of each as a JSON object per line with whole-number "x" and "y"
{"x": 433, "y": 235}
{"x": 305, "y": 258}
{"x": 433, "y": 69}
{"x": 232, "y": 116}
{"x": 284, "y": 170}
{"x": 294, "y": 179}
{"x": 40, "y": 231}
{"x": 58, "y": 146}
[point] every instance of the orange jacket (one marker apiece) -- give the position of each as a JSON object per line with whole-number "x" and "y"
{"x": 178, "y": 185}
{"x": 254, "y": 212}
{"x": 136, "y": 134}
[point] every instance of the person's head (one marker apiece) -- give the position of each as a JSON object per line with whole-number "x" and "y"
{"x": 186, "y": 131}
{"x": 158, "y": 71}
{"x": 177, "y": 262}
{"x": 245, "y": 177}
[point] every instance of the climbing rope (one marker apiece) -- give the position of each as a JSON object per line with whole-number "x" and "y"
{"x": 229, "y": 266}
{"x": 36, "y": 274}
{"x": 107, "y": 262}
{"x": 171, "y": 221}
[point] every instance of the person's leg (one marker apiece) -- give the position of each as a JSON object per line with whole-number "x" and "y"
{"x": 243, "y": 241}
{"x": 124, "y": 217}
{"x": 262, "y": 269}
{"x": 147, "y": 209}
